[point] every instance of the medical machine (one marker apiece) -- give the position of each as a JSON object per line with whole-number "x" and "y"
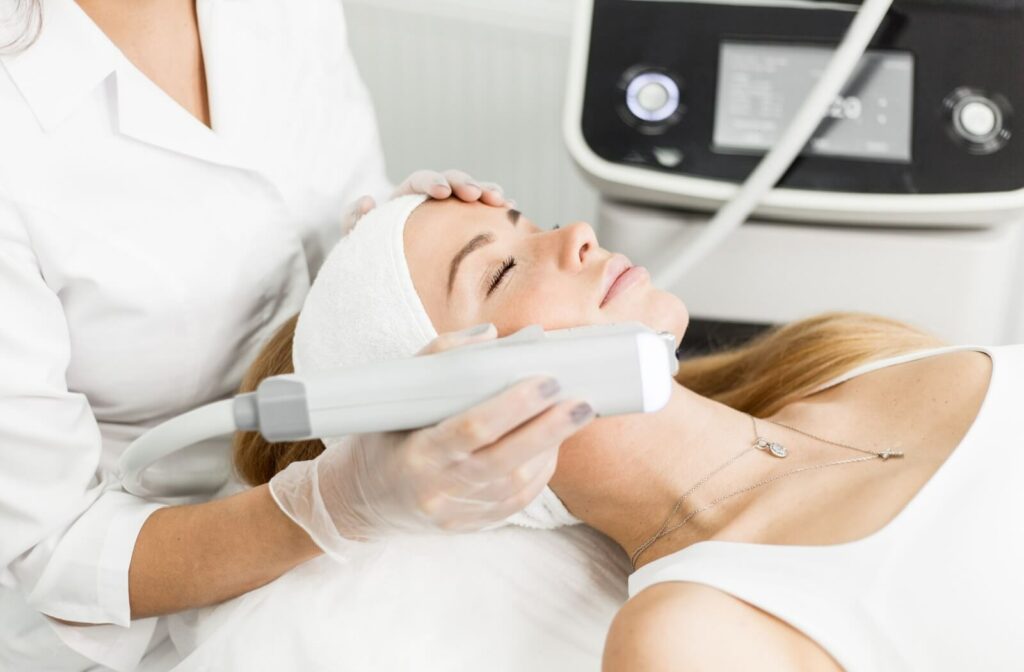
{"x": 903, "y": 197}
{"x": 625, "y": 368}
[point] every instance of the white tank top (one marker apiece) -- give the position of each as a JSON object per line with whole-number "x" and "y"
{"x": 940, "y": 587}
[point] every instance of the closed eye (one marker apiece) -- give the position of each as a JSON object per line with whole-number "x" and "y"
{"x": 500, "y": 274}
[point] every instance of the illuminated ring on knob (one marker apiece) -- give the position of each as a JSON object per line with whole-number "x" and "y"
{"x": 642, "y": 81}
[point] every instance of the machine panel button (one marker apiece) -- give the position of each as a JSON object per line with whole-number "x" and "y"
{"x": 652, "y": 97}
{"x": 979, "y": 119}
{"x": 668, "y": 157}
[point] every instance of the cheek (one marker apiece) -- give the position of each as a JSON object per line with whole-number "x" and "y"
{"x": 551, "y": 305}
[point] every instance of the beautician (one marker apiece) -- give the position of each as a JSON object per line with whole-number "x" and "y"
{"x": 172, "y": 175}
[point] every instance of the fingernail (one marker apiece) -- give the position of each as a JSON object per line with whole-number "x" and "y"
{"x": 550, "y": 388}
{"x": 440, "y": 181}
{"x": 478, "y": 330}
{"x": 581, "y": 413}
{"x": 473, "y": 183}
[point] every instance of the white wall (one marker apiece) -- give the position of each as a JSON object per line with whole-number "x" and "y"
{"x": 476, "y": 85}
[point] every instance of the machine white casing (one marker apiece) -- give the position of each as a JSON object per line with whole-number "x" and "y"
{"x": 643, "y": 185}
{"x": 965, "y": 286}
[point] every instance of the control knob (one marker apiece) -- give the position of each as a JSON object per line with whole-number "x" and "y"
{"x": 652, "y": 96}
{"x": 978, "y": 121}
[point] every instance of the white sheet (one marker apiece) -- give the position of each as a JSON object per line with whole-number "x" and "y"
{"x": 507, "y": 599}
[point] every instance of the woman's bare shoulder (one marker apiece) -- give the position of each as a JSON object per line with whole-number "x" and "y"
{"x": 949, "y": 386}
{"x": 681, "y": 625}
{"x": 958, "y": 369}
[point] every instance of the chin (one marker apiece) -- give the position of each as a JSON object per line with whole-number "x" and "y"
{"x": 671, "y": 316}
{"x": 678, "y": 319}
{"x": 662, "y": 312}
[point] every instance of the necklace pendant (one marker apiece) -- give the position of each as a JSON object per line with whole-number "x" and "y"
{"x": 887, "y": 453}
{"x": 776, "y": 449}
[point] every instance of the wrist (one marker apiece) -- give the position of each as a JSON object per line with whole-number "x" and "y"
{"x": 294, "y": 543}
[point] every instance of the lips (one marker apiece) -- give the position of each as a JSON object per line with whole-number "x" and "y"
{"x": 614, "y": 269}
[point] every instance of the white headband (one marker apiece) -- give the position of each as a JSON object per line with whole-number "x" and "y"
{"x": 363, "y": 308}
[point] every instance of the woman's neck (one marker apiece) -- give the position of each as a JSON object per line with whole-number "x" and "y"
{"x": 655, "y": 459}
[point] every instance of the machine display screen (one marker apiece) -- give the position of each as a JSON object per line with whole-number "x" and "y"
{"x": 761, "y": 86}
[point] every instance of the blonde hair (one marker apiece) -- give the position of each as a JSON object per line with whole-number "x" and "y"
{"x": 774, "y": 369}
{"x": 256, "y": 460}
{"x": 788, "y": 363}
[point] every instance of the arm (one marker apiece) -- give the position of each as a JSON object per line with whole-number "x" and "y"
{"x": 194, "y": 556}
{"x": 67, "y": 532}
{"x": 690, "y": 626}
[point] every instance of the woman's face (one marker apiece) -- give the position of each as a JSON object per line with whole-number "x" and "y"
{"x": 472, "y": 263}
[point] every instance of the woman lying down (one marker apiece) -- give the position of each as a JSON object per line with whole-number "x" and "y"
{"x": 841, "y": 493}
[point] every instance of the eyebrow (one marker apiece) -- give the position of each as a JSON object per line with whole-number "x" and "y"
{"x": 472, "y": 246}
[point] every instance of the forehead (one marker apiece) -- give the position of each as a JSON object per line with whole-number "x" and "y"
{"x": 441, "y": 219}
{"x": 437, "y": 230}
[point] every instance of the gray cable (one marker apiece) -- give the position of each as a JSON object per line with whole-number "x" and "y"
{"x": 205, "y": 422}
{"x": 683, "y": 254}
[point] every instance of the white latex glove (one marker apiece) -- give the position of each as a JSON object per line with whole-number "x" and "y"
{"x": 463, "y": 474}
{"x": 436, "y": 185}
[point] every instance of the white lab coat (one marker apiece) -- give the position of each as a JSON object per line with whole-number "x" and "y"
{"x": 143, "y": 260}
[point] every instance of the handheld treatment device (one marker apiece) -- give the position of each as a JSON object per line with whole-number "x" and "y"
{"x": 618, "y": 369}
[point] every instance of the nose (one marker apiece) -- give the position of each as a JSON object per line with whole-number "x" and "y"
{"x": 578, "y": 242}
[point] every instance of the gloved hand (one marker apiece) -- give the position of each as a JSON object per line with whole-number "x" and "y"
{"x": 463, "y": 474}
{"x": 436, "y": 185}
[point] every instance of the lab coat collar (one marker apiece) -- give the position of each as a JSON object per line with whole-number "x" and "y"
{"x": 72, "y": 56}
{"x": 146, "y": 113}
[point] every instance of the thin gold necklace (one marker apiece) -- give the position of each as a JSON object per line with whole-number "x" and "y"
{"x": 773, "y": 448}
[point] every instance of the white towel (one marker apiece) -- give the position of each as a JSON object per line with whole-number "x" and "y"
{"x": 363, "y": 308}
{"x": 507, "y": 600}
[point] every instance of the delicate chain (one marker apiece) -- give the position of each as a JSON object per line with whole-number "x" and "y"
{"x": 885, "y": 454}
{"x": 765, "y": 445}
{"x": 662, "y": 531}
